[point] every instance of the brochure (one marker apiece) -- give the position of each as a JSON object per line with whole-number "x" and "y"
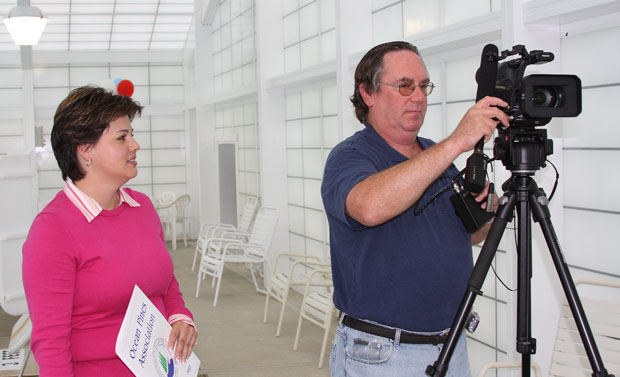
{"x": 142, "y": 342}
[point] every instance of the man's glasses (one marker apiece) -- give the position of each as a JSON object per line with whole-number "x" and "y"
{"x": 408, "y": 89}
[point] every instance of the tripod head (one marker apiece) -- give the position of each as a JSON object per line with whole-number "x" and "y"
{"x": 522, "y": 150}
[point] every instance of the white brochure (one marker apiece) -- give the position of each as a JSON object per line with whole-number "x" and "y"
{"x": 142, "y": 342}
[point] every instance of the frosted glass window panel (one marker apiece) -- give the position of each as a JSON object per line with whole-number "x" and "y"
{"x": 11, "y": 77}
{"x": 479, "y": 355}
{"x": 226, "y": 55}
{"x": 248, "y": 138}
{"x": 297, "y": 243}
{"x": 312, "y": 194}
{"x": 296, "y": 219}
{"x": 229, "y": 117}
{"x": 237, "y": 78}
{"x": 249, "y": 113}
{"x": 420, "y": 16}
{"x": 290, "y": 26}
{"x": 501, "y": 267}
{"x": 311, "y": 103}
{"x": 292, "y": 58}
{"x": 315, "y": 226}
{"x": 331, "y": 134}
{"x": 247, "y": 24}
{"x": 432, "y": 128}
{"x": 582, "y": 174}
{"x": 434, "y": 74}
{"x": 328, "y": 45}
{"x": 328, "y": 14}
{"x": 316, "y": 249}
{"x": 237, "y": 54}
{"x": 293, "y": 134}
{"x": 249, "y": 74}
{"x": 144, "y": 177}
{"x": 217, "y": 40}
{"x": 455, "y": 114}
{"x": 48, "y": 97}
{"x": 251, "y": 182}
{"x": 137, "y": 75}
{"x": 293, "y": 105}
{"x": 143, "y": 138}
{"x": 168, "y": 157}
{"x": 50, "y": 77}
{"x": 235, "y": 29}
{"x": 141, "y": 94}
{"x": 295, "y": 191}
{"x": 248, "y": 50}
{"x": 330, "y": 100}
{"x": 224, "y": 9}
{"x": 10, "y": 126}
{"x": 167, "y": 122}
{"x": 380, "y": 4}
{"x": 458, "y": 10}
{"x": 310, "y": 52}
{"x": 387, "y": 24}
{"x": 226, "y": 36}
{"x": 294, "y": 163}
{"x": 166, "y": 75}
{"x": 167, "y": 94}
{"x": 594, "y": 127}
{"x": 170, "y": 139}
{"x": 14, "y": 97}
{"x": 11, "y": 144}
{"x": 485, "y": 307}
{"x": 168, "y": 174}
{"x": 313, "y": 164}
{"x": 238, "y": 115}
{"x": 577, "y": 53}
{"x": 81, "y": 76}
{"x": 289, "y": 6}
{"x": 461, "y": 79}
{"x": 591, "y": 241}
{"x": 50, "y": 178}
{"x": 143, "y": 156}
{"x": 309, "y": 24}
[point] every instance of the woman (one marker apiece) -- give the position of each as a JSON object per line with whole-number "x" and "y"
{"x": 93, "y": 242}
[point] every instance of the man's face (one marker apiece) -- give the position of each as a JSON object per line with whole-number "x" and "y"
{"x": 392, "y": 114}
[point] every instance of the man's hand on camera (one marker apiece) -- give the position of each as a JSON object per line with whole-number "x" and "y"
{"x": 479, "y": 122}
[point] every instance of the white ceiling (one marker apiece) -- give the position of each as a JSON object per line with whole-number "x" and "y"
{"x": 108, "y": 25}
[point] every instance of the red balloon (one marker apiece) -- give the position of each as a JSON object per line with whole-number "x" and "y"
{"x": 125, "y": 88}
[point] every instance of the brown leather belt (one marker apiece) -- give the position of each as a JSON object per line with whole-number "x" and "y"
{"x": 386, "y": 332}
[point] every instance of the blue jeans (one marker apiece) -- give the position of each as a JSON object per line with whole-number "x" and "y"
{"x": 359, "y": 354}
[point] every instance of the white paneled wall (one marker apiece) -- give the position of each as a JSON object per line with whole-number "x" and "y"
{"x": 234, "y": 55}
{"x": 311, "y": 132}
{"x": 239, "y": 124}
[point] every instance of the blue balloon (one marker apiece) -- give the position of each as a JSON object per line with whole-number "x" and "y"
{"x": 116, "y": 81}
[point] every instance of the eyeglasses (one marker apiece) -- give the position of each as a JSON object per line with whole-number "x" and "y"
{"x": 408, "y": 89}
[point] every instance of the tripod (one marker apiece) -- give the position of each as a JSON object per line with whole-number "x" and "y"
{"x": 521, "y": 191}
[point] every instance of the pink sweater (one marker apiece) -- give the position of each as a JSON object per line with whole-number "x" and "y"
{"x": 79, "y": 277}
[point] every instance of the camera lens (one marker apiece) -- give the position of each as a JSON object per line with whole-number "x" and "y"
{"x": 546, "y": 96}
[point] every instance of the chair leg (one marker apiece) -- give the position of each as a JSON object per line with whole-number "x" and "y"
{"x": 198, "y": 284}
{"x": 26, "y": 357}
{"x": 173, "y": 226}
{"x": 184, "y": 234}
{"x": 284, "y": 300}
{"x": 219, "y": 281}
{"x": 298, "y": 329}
{"x": 266, "y": 306}
{"x": 195, "y": 255}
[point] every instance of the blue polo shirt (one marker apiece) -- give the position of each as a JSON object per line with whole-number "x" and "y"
{"x": 410, "y": 272}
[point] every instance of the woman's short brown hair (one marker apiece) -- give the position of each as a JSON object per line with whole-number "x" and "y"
{"x": 81, "y": 119}
{"x": 369, "y": 71}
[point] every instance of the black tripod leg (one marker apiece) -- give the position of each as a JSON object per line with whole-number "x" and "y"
{"x": 541, "y": 214}
{"x": 476, "y": 279}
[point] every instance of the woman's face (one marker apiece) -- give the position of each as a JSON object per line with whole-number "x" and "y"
{"x": 113, "y": 157}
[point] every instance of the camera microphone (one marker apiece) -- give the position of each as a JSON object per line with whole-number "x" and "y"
{"x": 486, "y": 76}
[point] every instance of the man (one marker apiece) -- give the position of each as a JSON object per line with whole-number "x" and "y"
{"x": 398, "y": 277}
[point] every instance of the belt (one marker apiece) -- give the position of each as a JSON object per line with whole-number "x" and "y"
{"x": 386, "y": 332}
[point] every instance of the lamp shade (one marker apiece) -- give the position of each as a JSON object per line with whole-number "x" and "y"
{"x": 25, "y": 24}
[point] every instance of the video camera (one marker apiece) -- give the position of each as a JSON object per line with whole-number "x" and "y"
{"x": 532, "y": 101}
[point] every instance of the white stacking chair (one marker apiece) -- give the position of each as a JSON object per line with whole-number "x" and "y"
{"x": 222, "y": 230}
{"x": 252, "y": 253}
{"x": 281, "y": 283}
{"x": 12, "y": 296}
{"x": 318, "y": 308}
{"x": 569, "y": 358}
{"x": 175, "y": 213}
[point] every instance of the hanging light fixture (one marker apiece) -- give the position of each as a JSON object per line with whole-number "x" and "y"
{"x": 25, "y": 24}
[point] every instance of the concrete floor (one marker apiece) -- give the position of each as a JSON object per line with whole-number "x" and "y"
{"x": 233, "y": 341}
